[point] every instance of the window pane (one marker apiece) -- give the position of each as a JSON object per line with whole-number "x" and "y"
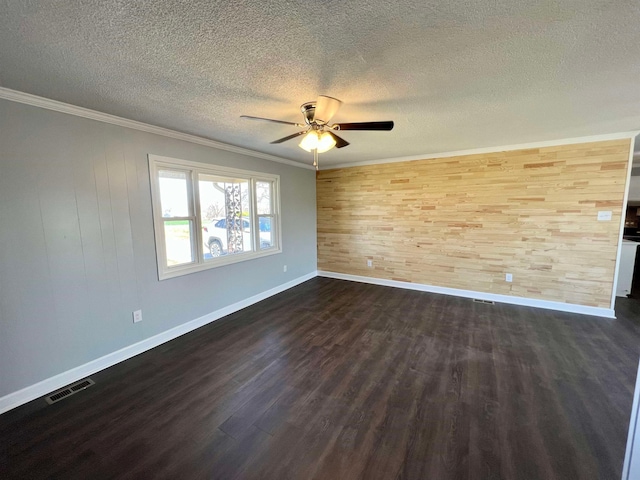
{"x": 177, "y": 234}
{"x": 203, "y": 211}
{"x": 263, "y": 195}
{"x": 266, "y": 234}
{"x": 174, "y": 200}
{"x": 226, "y": 221}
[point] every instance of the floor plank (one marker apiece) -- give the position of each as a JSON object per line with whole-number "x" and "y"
{"x": 341, "y": 380}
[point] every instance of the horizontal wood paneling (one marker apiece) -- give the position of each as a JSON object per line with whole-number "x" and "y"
{"x": 463, "y": 222}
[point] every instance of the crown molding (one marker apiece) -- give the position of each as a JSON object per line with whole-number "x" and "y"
{"x": 503, "y": 148}
{"x": 48, "y": 104}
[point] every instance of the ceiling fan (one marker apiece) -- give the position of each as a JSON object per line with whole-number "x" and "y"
{"x": 319, "y": 135}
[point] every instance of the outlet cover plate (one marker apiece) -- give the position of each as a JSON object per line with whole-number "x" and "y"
{"x": 604, "y": 216}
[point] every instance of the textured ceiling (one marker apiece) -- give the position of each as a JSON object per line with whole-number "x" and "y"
{"x": 453, "y": 75}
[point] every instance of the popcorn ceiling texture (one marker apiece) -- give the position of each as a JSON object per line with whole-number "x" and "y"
{"x": 453, "y": 75}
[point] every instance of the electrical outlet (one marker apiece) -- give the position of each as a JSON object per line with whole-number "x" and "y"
{"x": 508, "y": 277}
{"x": 605, "y": 216}
{"x": 284, "y": 269}
{"x": 137, "y": 316}
{"x": 369, "y": 263}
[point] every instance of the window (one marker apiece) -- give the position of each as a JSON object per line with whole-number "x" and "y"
{"x": 207, "y": 216}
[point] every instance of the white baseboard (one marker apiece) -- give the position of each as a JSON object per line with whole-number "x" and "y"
{"x": 44, "y": 387}
{"x": 528, "y": 302}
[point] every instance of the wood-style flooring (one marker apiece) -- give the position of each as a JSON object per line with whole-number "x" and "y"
{"x": 341, "y": 380}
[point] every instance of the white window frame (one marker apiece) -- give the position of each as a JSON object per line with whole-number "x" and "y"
{"x": 193, "y": 169}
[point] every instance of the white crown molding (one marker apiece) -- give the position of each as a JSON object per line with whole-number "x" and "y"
{"x": 503, "y": 148}
{"x": 48, "y": 385}
{"x": 48, "y": 104}
{"x": 493, "y": 297}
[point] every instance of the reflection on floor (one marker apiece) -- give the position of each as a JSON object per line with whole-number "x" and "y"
{"x": 342, "y": 380}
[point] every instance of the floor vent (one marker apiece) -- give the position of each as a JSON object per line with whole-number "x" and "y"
{"x": 488, "y": 302}
{"x": 69, "y": 390}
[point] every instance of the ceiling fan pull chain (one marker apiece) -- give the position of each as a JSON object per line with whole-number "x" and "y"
{"x": 315, "y": 158}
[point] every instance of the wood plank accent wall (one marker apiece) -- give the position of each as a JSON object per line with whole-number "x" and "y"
{"x": 463, "y": 222}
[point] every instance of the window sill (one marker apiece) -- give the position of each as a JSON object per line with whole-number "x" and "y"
{"x": 222, "y": 261}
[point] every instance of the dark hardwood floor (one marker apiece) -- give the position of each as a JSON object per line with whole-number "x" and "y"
{"x": 341, "y": 380}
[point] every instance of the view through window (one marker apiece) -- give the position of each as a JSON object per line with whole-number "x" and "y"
{"x": 206, "y": 216}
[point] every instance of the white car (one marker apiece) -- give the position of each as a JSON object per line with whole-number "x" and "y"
{"x": 214, "y": 236}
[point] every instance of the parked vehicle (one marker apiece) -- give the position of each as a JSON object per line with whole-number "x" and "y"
{"x": 265, "y": 232}
{"x": 215, "y": 236}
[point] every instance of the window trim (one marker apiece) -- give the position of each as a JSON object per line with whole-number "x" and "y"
{"x": 157, "y": 162}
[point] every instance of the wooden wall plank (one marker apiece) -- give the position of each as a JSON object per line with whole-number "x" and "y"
{"x": 463, "y": 222}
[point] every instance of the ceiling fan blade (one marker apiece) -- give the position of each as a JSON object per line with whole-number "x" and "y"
{"x": 326, "y": 108}
{"x": 289, "y": 137}
{"x": 382, "y": 126}
{"x": 340, "y": 142}
{"x": 270, "y": 120}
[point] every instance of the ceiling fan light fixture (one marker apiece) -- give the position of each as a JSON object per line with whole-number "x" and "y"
{"x": 326, "y": 142}
{"x": 315, "y": 141}
{"x": 310, "y": 141}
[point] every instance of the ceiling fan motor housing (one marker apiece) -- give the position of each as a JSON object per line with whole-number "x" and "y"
{"x": 309, "y": 111}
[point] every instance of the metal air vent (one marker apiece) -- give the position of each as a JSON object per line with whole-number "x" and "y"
{"x": 68, "y": 390}
{"x": 488, "y": 302}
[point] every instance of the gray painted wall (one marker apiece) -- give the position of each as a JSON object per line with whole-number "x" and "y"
{"x": 77, "y": 252}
